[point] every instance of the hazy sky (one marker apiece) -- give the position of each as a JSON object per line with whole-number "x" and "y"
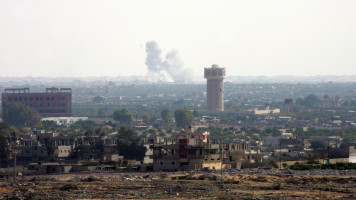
{"x": 108, "y": 38}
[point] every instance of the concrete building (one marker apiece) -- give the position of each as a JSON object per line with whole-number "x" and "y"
{"x": 65, "y": 121}
{"x": 237, "y": 153}
{"x": 188, "y": 151}
{"x": 32, "y": 147}
{"x": 215, "y": 87}
{"x": 266, "y": 111}
{"x": 54, "y": 102}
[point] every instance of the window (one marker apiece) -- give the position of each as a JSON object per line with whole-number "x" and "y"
{"x": 47, "y": 98}
{"x": 37, "y": 98}
{"x": 161, "y": 162}
{"x": 41, "y": 98}
{"x": 9, "y": 99}
{"x": 25, "y": 98}
{"x": 173, "y": 163}
{"x": 30, "y": 98}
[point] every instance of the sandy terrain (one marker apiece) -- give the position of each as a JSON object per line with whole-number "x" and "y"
{"x": 181, "y": 185}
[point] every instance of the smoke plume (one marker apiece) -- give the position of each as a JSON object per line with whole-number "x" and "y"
{"x": 168, "y": 70}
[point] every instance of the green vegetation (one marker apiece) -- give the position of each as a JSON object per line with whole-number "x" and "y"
{"x": 184, "y": 117}
{"x": 310, "y": 101}
{"x": 129, "y": 145}
{"x": 317, "y": 144}
{"x": 98, "y": 99}
{"x": 123, "y": 116}
{"x": 20, "y": 115}
{"x": 336, "y": 166}
{"x": 166, "y": 116}
{"x": 9, "y": 132}
{"x": 146, "y": 118}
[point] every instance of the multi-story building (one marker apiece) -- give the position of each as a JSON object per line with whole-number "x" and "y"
{"x": 42, "y": 146}
{"x": 54, "y": 102}
{"x": 215, "y": 87}
{"x": 240, "y": 152}
{"x": 188, "y": 151}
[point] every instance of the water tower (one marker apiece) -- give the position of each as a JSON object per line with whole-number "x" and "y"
{"x": 215, "y": 87}
{"x": 288, "y": 105}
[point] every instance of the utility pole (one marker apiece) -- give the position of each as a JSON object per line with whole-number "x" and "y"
{"x": 328, "y": 149}
{"x": 221, "y": 157}
{"x": 106, "y": 100}
{"x": 14, "y": 152}
{"x": 280, "y": 154}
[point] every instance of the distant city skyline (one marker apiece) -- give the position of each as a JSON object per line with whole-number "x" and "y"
{"x": 108, "y": 38}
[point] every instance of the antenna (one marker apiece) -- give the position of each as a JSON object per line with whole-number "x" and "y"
{"x": 106, "y": 100}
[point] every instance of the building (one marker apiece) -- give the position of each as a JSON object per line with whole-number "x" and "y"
{"x": 266, "y": 111}
{"x": 240, "y": 152}
{"x": 54, "y": 102}
{"x": 188, "y": 151}
{"x": 42, "y": 146}
{"x": 64, "y": 121}
{"x": 215, "y": 87}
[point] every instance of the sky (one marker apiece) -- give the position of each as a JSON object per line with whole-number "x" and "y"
{"x": 78, "y": 38}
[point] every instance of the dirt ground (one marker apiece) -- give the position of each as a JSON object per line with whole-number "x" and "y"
{"x": 180, "y": 185}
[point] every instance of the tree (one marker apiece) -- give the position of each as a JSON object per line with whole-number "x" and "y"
{"x": 85, "y": 125}
{"x": 98, "y": 99}
{"x": 146, "y": 118}
{"x": 50, "y": 125}
{"x": 124, "y": 116}
{"x": 8, "y": 134}
{"x": 166, "y": 116}
{"x": 99, "y": 148}
{"x": 129, "y": 144}
{"x": 310, "y": 101}
{"x": 184, "y": 117}
{"x": 298, "y": 132}
{"x": 101, "y": 112}
{"x": 273, "y": 131}
{"x": 195, "y": 113}
{"x": 20, "y": 115}
{"x": 317, "y": 144}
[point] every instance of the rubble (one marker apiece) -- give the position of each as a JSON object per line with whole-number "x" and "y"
{"x": 240, "y": 184}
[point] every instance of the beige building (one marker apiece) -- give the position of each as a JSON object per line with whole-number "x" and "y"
{"x": 237, "y": 153}
{"x": 188, "y": 151}
{"x": 215, "y": 87}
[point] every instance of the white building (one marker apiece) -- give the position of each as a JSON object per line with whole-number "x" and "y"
{"x": 66, "y": 121}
